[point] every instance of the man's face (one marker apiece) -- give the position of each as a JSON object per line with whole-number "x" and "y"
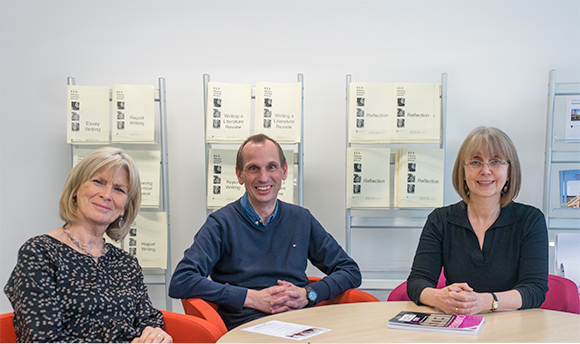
{"x": 262, "y": 174}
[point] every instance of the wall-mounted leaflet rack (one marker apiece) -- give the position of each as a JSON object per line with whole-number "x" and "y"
{"x": 562, "y": 154}
{"x": 386, "y": 274}
{"x": 152, "y": 276}
{"x": 298, "y": 147}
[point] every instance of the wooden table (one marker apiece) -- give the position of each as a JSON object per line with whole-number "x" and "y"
{"x": 367, "y": 323}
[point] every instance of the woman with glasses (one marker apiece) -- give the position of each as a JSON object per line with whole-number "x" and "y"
{"x": 493, "y": 251}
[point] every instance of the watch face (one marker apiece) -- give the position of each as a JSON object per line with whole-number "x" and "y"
{"x": 312, "y": 295}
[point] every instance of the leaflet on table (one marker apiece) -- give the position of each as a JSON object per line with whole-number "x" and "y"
{"x": 286, "y": 330}
{"x": 419, "y": 176}
{"x": 87, "y": 114}
{"x": 147, "y": 239}
{"x": 223, "y": 185}
{"x": 368, "y": 177}
{"x": 133, "y": 114}
{"x": 468, "y": 324}
{"x": 570, "y": 189}
{"x": 573, "y": 118}
{"x": 394, "y": 113}
{"x": 279, "y": 110}
{"x": 228, "y": 112}
{"x": 149, "y": 165}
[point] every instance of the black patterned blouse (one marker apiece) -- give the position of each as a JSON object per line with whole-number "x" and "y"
{"x": 61, "y": 295}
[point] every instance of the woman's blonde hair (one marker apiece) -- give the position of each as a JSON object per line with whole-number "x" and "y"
{"x": 103, "y": 159}
{"x": 495, "y": 143}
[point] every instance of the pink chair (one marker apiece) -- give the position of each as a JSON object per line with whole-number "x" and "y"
{"x": 562, "y": 295}
{"x": 400, "y": 292}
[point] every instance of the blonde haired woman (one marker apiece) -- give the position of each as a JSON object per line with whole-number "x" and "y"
{"x": 493, "y": 251}
{"x": 69, "y": 285}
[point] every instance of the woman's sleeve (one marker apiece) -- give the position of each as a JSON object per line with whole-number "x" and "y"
{"x": 533, "y": 272}
{"x": 428, "y": 259}
{"x": 146, "y": 314}
{"x": 32, "y": 292}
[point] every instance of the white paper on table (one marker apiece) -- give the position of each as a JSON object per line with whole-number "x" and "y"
{"x": 286, "y": 330}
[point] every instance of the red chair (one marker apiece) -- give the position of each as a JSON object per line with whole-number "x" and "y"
{"x": 208, "y": 311}
{"x": 7, "y": 333}
{"x": 183, "y": 328}
{"x": 187, "y": 329}
{"x": 205, "y": 310}
{"x": 400, "y": 292}
{"x": 562, "y": 295}
{"x": 348, "y": 296}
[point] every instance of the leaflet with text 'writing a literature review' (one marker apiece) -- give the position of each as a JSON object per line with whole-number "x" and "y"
{"x": 467, "y": 324}
{"x": 279, "y": 110}
{"x": 229, "y": 108}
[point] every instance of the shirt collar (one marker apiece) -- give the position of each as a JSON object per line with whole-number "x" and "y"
{"x": 255, "y": 218}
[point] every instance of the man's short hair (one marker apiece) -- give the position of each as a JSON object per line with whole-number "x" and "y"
{"x": 258, "y": 138}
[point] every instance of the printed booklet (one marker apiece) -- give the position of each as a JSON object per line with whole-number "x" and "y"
{"x": 468, "y": 324}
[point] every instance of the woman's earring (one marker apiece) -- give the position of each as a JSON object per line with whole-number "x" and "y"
{"x": 121, "y": 221}
{"x": 466, "y": 188}
{"x": 505, "y": 188}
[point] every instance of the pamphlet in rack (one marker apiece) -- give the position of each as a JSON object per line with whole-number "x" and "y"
{"x": 570, "y": 188}
{"x": 468, "y": 324}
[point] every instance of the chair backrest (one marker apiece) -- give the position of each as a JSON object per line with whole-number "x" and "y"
{"x": 188, "y": 329}
{"x": 400, "y": 292}
{"x": 562, "y": 295}
{"x": 205, "y": 310}
{"x": 7, "y": 333}
{"x": 349, "y": 296}
{"x": 183, "y": 328}
{"x": 208, "y": 311}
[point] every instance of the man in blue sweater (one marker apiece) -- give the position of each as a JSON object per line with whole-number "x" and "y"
{"x": 256, "y": 249}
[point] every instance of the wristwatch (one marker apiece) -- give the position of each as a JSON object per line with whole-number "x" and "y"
{"x": 495, "y": 303}
{"x": 311, "y": 295}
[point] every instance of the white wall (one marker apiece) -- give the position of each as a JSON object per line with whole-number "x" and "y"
{"x": 497, "y": 55}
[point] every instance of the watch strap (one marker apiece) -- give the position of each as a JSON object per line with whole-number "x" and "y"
{"x": 495, "y": 303}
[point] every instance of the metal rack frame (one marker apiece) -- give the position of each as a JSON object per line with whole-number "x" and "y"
{"x": 559, "y": 150}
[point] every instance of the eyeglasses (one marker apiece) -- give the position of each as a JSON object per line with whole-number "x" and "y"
{"x": 494, "y": 164}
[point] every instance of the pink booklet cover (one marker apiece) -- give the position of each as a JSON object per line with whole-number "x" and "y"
{"x": 437, "y": 322}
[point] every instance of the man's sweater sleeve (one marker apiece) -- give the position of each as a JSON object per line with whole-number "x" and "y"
{"x": 190, "y": 277}
{"x": 327, "y": 255}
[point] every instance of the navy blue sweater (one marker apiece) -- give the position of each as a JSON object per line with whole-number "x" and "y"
{"x": 239, "y": 255}
{"x": 514, "y": 253}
